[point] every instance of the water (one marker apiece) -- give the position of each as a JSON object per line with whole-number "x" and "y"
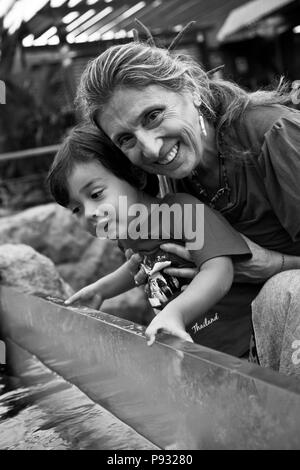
{"x": 39, "y": 410}
{"x": 21, "y": 423}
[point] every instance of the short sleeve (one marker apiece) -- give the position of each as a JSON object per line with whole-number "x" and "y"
{"x": 279, "y": 162}
{"x": 219, "y": 237}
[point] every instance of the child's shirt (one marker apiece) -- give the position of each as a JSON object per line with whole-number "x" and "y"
{"x": 226, "y": 327}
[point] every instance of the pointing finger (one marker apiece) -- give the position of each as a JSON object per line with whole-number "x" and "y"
{"x": 151, "y": 340}
{"x": 73, "y": 298}
{"x": 188, "y": 273}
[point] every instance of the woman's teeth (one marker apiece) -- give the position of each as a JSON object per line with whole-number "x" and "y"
{"x": 170, "y": 156}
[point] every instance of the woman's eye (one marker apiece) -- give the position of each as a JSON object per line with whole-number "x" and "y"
{"x": 153, "y": 115}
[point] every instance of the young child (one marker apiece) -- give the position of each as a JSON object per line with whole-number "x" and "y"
{"x": 91, "y": 177}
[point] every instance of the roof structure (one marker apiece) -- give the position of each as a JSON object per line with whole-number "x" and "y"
{"x": 247, "y": 15}
{"x": 82, "y": 21}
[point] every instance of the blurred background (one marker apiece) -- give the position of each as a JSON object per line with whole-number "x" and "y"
{"x": 45, "y": 44}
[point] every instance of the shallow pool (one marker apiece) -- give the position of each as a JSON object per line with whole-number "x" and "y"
{"x": 39, "y": 410}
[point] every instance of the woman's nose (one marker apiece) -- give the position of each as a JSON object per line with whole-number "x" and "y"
{"x": 149, "y": 145}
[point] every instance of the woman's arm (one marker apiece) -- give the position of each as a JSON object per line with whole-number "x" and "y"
{"x": 113, "y": 284}
{"x": 209, "y": 286}
{"x": 263, "y": 264}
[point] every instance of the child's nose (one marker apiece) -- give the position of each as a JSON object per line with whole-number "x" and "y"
{"x": 90, "y": 211}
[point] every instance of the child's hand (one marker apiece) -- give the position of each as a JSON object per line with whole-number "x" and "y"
{"x": 89, "y": 295}
{"x": 170, "y": 321}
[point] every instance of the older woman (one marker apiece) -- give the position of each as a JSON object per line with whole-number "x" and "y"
{"x": 236, "y": 151}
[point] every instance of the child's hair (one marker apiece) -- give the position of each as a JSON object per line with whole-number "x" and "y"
{"x": 85, "y": 144}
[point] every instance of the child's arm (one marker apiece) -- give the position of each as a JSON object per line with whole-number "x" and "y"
{"x": 119, "y": 281}
{"x": 208, "y": 287}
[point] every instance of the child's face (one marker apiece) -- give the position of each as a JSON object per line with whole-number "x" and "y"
{"x": 91, "y": 186}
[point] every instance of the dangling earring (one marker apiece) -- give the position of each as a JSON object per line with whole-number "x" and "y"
{"x": 202, "y": 125}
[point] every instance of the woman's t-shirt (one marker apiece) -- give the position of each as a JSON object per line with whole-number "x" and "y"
{"x": 264, "y": 202}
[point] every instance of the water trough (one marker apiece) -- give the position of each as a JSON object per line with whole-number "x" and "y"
{"x": 177, "y": 395}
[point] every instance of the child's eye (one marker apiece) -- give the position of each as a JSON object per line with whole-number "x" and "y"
{"x": 76, "y": 211}
{"x": 97, "y": 194}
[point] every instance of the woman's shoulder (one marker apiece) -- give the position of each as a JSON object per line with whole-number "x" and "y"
{"x": 264, "y": 117}
{"x": 258, "y": 120}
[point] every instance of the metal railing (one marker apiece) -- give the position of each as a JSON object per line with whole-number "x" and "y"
{"x": 35, "y": 152}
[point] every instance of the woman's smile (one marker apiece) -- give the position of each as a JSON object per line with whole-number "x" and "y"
{"x": 171, "y": 155}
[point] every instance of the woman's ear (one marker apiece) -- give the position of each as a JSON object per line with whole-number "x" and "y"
{"x": 196, "y": 99}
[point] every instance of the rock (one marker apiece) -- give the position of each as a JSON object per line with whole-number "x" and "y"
{"x": 5, "y": 212}
{"x": 52, "y": 230}
{"x": 98, "y": 259}
{"x": 22, "y": 267}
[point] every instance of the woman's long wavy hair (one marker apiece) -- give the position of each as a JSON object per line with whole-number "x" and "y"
{"x": 137, "y": 65}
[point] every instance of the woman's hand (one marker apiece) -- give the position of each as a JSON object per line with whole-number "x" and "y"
{"x": 89, "y": 295}
{"x": 263, "y": 264}
{"x": 140, "y": 277}
{"x": 167, "y": 320}
{"x": 182, "y": 252}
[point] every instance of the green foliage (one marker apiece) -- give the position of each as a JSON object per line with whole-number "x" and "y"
{"x": 38, "y": 109}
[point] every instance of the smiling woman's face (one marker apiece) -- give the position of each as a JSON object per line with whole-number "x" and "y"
{"x": 157, "y": 129}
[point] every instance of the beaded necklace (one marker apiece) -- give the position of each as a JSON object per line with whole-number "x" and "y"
{"x": 223, "y": 189}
